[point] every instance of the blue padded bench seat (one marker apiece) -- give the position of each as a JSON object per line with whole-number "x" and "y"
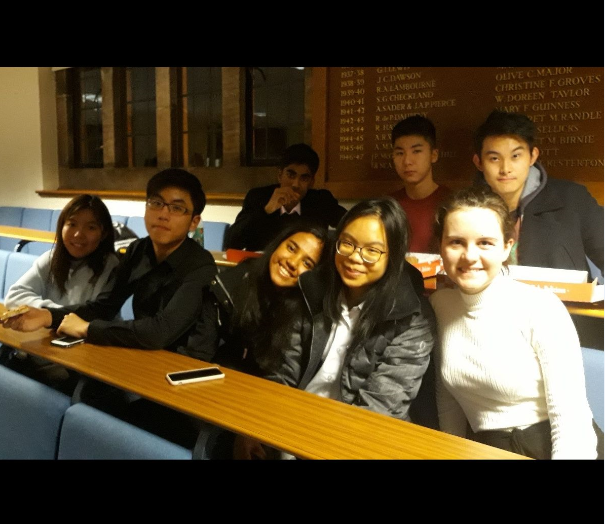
{"x": 91, "y": 434}
{"x": 31, "y": 414}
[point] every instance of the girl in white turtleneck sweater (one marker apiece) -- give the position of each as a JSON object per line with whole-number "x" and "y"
{"x": 509, "y": 361}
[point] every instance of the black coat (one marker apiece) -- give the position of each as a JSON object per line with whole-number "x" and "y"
{"x": 253, "y": 229}
{"x": 390, "y": 372}
{"x": 562, "y": 225}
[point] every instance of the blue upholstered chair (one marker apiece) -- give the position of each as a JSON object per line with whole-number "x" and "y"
{"x": 593, "y": 372}
{"x": 54, "y": 218}
{"x": 137, "y": 224}
{"x": 3, "y": 261}
{"x": 35, "y": 218}
{"x": 214, "y": 235}
{"x": 595, "y": 272}
{"x": 17, "y": 264}
{"x": 31, "y": 414}
{"x": 10, "y": 216}
{"x": 119, "y": 218}
{"x": 126, "y": 311}
{"x": 89, "y": 434}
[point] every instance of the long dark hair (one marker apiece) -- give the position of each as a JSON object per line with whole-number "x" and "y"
{"x": 61, "y": 260}
{"x": 380, "y": 297}
{"x": 262, "y": 311}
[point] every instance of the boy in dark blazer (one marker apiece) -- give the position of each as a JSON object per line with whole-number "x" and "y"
{"x": 269, "y": 209}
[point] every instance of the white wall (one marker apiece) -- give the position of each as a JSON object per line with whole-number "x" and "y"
{"x": 28, "y": 146}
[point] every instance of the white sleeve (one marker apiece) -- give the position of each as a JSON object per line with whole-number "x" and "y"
{"x": 31, "y": 288}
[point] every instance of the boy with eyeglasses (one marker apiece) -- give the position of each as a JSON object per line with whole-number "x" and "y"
{"x": 166, "y": 273}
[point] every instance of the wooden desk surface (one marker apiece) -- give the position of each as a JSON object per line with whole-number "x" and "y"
{"x": 295, "y": 421}
{"x": 23, "y": 233}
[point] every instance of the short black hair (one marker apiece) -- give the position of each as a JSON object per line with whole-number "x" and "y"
{"x": 503, "y": 123}
{"x": 174, "y": 177}
{"x": 415, "y": 125}
{"x": 300, "y": 154}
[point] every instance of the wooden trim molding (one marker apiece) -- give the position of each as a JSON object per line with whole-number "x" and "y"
{"x": 214, "y": 198}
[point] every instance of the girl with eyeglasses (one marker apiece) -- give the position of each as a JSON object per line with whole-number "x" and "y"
{"x": 365, "y": 332}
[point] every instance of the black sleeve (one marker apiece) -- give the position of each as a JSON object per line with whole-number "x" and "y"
{"x": 109, "y": 302}
{"x": 592, "y": 227}
{"x": 161, "y": 330}
{"x": 252, "y": 225}
{"x": 203, "y": 339}
{"x": 334, "y": 211}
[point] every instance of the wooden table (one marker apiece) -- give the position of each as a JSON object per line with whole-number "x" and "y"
{"x": 26, "y": 235}
{"x": 300, "y": 423}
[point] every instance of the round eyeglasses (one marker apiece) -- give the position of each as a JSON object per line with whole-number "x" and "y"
{"x": 174, "y": 209}
{"x": 369, "y": 254}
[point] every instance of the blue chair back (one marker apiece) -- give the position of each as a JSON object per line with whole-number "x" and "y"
{"x": 31, "y": 414}
{"x": 126, "y": 312}
{"x": 3, "y": 262}
{"x": 119, "y": 218}
{"x": 595, "y": 272}
{"x": 137, "y": 224}
{"x": 10, "y": 216}
{"x": 91, "y": 434}
{"x": 34, "y": 218}
{"x": 593, "y": 372}
{"x": 54, "y": 218}
{"x": 214, "y": 235}
{"x": 16, "y": 266}
{"x": 36, "y": 248}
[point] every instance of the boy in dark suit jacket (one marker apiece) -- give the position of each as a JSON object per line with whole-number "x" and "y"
{"x": 269, "y": 209}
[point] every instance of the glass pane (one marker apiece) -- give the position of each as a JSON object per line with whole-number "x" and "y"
{"x": 202, "y": 109}
{"x": 276, "y": 111}
{"x": 88, "y": 127}
{"x": 141, "y": 115}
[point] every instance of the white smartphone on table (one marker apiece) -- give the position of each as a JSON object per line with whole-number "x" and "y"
{"x": 194, "y": 375}
{"x": 66, "y": 342}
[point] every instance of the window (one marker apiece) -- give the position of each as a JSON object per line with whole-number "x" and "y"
{"x": 87, "y": 125}
{"x": 275, "y": 112}
{"x": 116, "y": 126}
{"x": 201, "y": 116}
{"x": 140, "y": 117}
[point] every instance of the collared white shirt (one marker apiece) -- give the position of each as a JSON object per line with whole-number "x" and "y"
{"x": 295, "y": 209}
{"x": 326, "y": 382}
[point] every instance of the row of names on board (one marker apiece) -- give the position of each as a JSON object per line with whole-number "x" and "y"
{"x": 364, "y": 104}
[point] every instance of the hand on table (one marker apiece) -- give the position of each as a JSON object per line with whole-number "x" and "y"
{"x": 34, "y": 319}
{"x": 74, "y": 326}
